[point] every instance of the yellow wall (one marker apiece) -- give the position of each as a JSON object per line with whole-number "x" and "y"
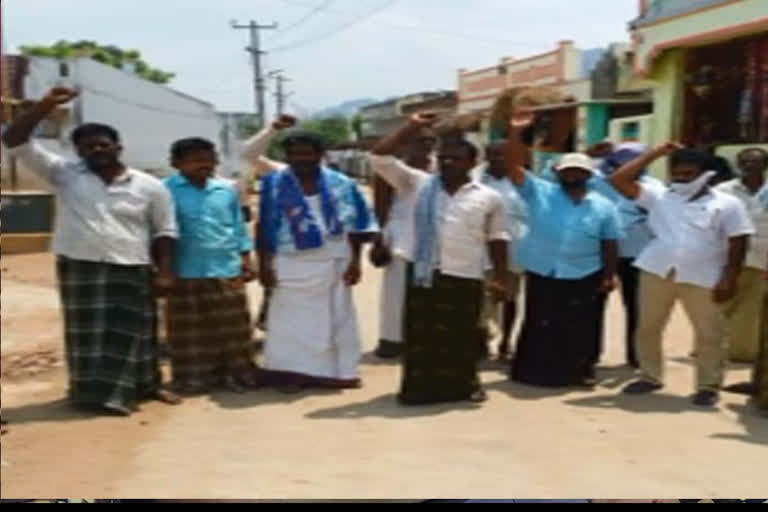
{"x": 730, "y": 14}
{"x": 668, "y": 102}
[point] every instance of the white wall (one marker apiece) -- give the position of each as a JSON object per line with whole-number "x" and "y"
{"x": 149, "y": 116}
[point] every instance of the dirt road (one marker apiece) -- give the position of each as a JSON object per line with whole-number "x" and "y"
{"x": 523, "y": 443}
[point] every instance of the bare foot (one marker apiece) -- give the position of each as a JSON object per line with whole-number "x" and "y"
{"x": 167, "y": 397}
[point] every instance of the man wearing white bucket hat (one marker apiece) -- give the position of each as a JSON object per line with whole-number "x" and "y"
{"x": 570, "y": 255}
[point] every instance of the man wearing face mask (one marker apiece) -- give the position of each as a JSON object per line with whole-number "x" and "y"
{"x": 697, "y": 256}
{"x": 570, "y": 255}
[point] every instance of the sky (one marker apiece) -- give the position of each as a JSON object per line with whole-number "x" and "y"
{"x": 332, "y": 50}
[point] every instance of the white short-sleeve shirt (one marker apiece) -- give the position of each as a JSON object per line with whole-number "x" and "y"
{"x": 692, "y": 237}
{"x": 757, "y": 207}
{"x": 111, "y": 223}
{"x": 467, "y": 220}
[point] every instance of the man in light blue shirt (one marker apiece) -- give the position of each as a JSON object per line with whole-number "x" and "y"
{"x": 570, "y": 254}
{"x": 494, "y": 175}
{"x": 209, "y": 331}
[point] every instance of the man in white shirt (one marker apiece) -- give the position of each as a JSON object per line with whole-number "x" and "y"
{"x": 746, "y": 311}
{"x": 111, "y": 220}
{"x": 455, "y": 224}
{"x": 702, "y": 236}
{"x": 493, "y": 173}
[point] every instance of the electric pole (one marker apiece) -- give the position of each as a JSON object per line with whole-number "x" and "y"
{"x": 258, "y": 76}
{"x": 280, "y": 94}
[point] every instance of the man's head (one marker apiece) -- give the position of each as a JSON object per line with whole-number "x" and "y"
{"x": 574, "y": 171}
{"x": 418, "y": 151}
{"x": 457, "y": 157}
{"x": 196, "y": 158}
{"x": 304, "y": 152}
{"x": 495, "y": 154}
{"x": 687, "y": 165}
{"x": 98, "y": 145}
{"x": 753, "y": 162}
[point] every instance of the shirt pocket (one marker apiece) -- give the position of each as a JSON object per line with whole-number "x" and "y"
{"x": 700, "y": 217}
{"x": 128, "y": 206}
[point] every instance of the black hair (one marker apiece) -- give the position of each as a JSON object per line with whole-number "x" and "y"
{"x": 761, "y": 151}
{"x": 183, "y": 147}
{"x": 94, "y": 129}
{"x": 306, "y": 138}
{"x": 693, "y": 157}
{"x": 471, "y": 149}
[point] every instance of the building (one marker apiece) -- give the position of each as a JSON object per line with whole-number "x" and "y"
{"x": 708, "y": 62}
{"x": 149, "y": 116}
{"x": 383, "y": 118}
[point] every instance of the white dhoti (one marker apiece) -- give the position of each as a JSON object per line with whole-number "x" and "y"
{"x": 313, "y": 328}
{"x": 393, "y": 300}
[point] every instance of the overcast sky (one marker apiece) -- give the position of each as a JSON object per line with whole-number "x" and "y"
{"x": 339, "y": 50}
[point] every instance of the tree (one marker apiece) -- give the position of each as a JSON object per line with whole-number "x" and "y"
{"x": 110, "y": 55}
{"x": 335, "y": 130}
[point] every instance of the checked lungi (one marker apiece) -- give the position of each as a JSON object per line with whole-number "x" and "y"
{"x": 110, "y": 342}
{"x": 209, "y": 330}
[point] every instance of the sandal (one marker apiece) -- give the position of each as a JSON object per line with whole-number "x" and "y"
{"x": 479, "y": 397}
{"x": 167, "y": 397}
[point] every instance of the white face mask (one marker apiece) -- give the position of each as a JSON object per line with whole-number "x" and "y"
{"x": 688, "y": 190}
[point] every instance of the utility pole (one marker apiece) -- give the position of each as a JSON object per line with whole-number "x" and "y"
{"x": 280, "y": 94}
{"x": 258, "y": 76}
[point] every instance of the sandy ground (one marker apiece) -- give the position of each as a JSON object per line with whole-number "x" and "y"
{"x": 523, "y": 443}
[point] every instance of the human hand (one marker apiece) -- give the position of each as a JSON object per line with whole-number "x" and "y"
{"x": 163, "y": 283}
{"x": 284, "y": 122}
{"x": 353, "y": 274}
{"x": 522, "y": 119}
{"x": 725, "y": 290}
{"x": 60, "y": 96}
{"x": 267, "y": 276}
{"x": 607, "y": 285}
{"x": 248, "y": 274}
{"x": 498, "y": 288}
{"x": 423, "y": 119}
{"x": 668, "y": 148}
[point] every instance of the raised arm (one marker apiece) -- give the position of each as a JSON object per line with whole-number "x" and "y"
{"x": 389, "y": 145}
{"x": 517, "y": 151}
{"x": 625, "y": 179}
{"x": 20, "y": 131}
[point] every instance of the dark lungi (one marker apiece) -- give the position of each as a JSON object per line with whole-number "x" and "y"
{"x": 761, "y": 369}
{"x": 442, "y": 336}
{"x": 209, "y": 330}
{"x": 110, "y": 341}
{"x": 560, "y": 335}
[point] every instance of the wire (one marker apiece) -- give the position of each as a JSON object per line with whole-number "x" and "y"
{"x": 337, "y": 30}
{"x": 325, "y": 5}
{"x": 429, "y": 30}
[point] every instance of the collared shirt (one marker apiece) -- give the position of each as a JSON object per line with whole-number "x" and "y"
{"x": 565, "y": 237}
{"x": 634, "y": 220}
{"x": 692, "y": 237}
{"x": 517, "y": 221}
{"x": 111, "y": 223}
{"x": 212, "y": 234}
{"x": 757, "y": 207}
{"x": 467, "y": 220}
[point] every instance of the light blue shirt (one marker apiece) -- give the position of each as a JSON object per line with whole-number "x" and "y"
{"x": 212, "y": 232}
{"x": 564, "y": 239}
{"x": 514, "y": 206}
{"x": 634, "y": 219}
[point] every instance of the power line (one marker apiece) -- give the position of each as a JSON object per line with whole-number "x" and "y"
{"x": 428, "y": 30}
{"x": 316, "y": 10}
{"x": 337, "y": 30}
{"x": 145, "y": 106}
{"x": 258, "y": 76}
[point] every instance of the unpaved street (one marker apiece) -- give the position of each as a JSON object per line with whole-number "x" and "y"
{"x": 524, "y": 442}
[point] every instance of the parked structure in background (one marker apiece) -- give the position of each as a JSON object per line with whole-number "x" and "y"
{"x": 383, "y": 118}
{"x": 148, "y": 116}
{"x": 708, "y": 62}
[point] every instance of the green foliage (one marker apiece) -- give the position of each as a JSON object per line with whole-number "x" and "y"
{"x": 109, "y": 55}
{"x": 335, "y": 130}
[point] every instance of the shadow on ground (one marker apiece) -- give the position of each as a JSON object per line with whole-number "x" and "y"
{"x": 755, "y": 426}
{"x": 386, "y": 406}
{"x": 55, "y": 411}
{"x": 251, "y": 399}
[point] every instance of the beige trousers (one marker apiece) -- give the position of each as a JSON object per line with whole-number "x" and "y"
{"x": 658, "y": 297}
{"x": 492, "y": 318}
{"x": 745, "y": 315}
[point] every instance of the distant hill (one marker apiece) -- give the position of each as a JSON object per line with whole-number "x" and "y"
{"x": 346, "y": 109}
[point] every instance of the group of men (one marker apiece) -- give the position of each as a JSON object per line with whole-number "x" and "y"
{"x": 457, "y": 242}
